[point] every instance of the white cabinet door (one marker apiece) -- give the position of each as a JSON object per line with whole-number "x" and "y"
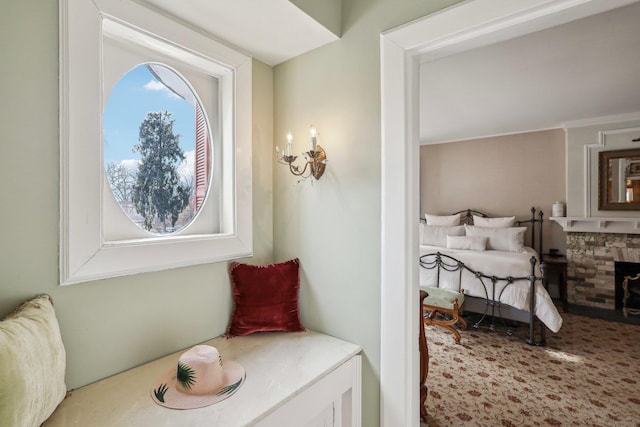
{"x": 334, "y": 400}
{"x": 324, "y": 419}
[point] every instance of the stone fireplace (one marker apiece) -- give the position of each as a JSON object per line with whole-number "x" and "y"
{"x": 593, "y": 259}
{"x": 628, "y": 287}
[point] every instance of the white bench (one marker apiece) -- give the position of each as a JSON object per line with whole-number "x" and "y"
{"x": 293, "y": 379}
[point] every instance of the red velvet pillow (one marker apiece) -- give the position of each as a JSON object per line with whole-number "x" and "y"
{"x": 265, "y": 298}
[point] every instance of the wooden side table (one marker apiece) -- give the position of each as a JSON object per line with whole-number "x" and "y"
{"x": 557, "y": 265}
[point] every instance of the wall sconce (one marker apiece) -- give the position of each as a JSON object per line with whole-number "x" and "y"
{"x": 316, "y": 158}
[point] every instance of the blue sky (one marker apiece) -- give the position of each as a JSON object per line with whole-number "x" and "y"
{"x": 136, "y": 94}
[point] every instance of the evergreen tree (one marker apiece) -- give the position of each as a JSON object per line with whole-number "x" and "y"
{"x": 157, "y": 193}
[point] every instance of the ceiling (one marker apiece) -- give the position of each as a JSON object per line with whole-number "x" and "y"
{"x": 272, "y": 31}
{"x": 581, "y": 70}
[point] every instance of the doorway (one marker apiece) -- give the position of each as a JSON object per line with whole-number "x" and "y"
{"x": 466, "y": 26}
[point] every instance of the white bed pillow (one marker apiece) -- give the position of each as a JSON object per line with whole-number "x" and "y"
{"x": 472, "y": 243}
{"x": 500, "y": 222}
{"x": 443, "y": 220}
{"x": 435, "y": 235}
{"x": 509, "y": 239}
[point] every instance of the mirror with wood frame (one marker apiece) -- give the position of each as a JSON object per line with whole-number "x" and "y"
{"x": 619, "y": 180}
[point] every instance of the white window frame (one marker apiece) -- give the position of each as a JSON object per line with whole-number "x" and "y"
{"x": 84, "y": 253}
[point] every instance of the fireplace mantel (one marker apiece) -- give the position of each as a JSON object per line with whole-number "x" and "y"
{"x": 594, "y": 247}
{"x": 598, "y": 225}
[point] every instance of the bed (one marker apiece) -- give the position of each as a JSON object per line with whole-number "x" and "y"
{"x": 487, "y": 259}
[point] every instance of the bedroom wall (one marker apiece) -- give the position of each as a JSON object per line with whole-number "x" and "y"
{"x": 108, "y": 325}
{"x": 501, "y": 176}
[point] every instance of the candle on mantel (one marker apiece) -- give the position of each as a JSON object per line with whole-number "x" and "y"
{"x": 314, "y": 134}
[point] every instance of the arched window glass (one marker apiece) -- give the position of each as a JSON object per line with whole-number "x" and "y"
{"x": 156, "y": 148}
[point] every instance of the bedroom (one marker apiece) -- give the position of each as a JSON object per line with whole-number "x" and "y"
{"x": 337, "y": 87}
{"x": 580, "y": 193}
{"x": 530, "y": 114}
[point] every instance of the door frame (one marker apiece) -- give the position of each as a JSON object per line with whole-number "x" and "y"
{"x": 467, "y": 25}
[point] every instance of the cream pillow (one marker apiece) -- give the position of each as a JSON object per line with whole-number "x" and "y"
{"x": 500, "y": 239}
{"x": 32, "y": 364}
{"x": 472, "y": 243}
{"x": 501, "y": 222}
{"x": 443, "y": 220}
{"x": 435, "y": 235}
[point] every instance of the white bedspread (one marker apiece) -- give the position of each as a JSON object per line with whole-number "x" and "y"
{"x": 498, "y": 264}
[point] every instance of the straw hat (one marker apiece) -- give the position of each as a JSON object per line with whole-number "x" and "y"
{"x": 201, "y": 379}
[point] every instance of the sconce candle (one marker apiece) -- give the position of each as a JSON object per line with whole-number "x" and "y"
{"x": 316, "y": 158}
{"x": 289, "y": 139}
{"x": 314, "y": 139}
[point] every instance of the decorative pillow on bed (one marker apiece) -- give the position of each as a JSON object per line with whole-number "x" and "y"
{"x": 472, "y": 243}
{"x": 435, "y": 235}
{"x": 443, "y": 220}
{"x": 501, "y": 222}
{"x": 509, "y": 239}
{"x": 265, "y": 298}
{"x": 32, "y": 364}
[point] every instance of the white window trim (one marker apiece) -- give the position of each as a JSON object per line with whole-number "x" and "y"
{"x": 84, "y": 254}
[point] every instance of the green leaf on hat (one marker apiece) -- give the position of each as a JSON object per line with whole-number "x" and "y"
{"x": 160, "y": 392}
{"x": 186, "y": 376}
{"x": 229, "y": 389}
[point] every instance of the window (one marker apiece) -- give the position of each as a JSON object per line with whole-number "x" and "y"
{"x": 102, "y": 43}
{"x": 156, "y": 151}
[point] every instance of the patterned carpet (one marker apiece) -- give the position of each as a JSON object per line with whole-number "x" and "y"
{"x": 587, "y": 375}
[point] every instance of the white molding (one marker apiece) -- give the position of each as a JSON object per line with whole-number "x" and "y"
{"x": 84, "y": 253}
{"x": 493, "y": 135}
{"x": 597, "y": 121}
{"x": 462, "y": 27}
{"x": 398, "y": 351}
{"x": 589, "y": 151}
{"x": 598, "y": 225}
{"x": 475, "y": 23}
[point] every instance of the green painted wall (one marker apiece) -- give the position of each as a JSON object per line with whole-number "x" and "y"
{"x": 326, "y": 12}
{"x": 109, "y": 325}
{"x": 333, "y": 225}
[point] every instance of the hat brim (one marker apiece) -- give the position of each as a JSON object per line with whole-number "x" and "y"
{"x": 165, "y": 393}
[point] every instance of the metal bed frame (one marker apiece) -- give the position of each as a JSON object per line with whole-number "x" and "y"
{"x": 490, "y": 307}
